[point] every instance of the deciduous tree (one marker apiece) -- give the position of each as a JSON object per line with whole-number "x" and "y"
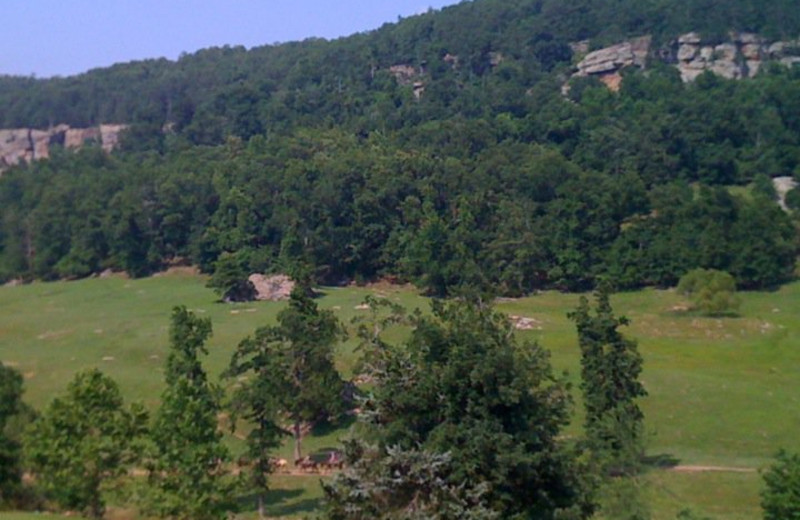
{"x": 84, "y": 443}
{"x": 257, "y": 398}
{"x": 293, "y": 363}
{"x": 484, "y": 411}
{"x": 710, "y": 291}
{"x": 230, "y": 279}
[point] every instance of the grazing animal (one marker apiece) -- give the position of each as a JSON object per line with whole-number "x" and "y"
{"x": 306, "y": 464}
{"x": 335, "y": 461}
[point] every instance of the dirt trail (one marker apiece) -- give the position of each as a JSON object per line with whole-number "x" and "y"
{"x": 679, "y": 469}
{"x": 701, "y": 469}
{"x": 292, "y": 472}
{"x": 297, "y": 472}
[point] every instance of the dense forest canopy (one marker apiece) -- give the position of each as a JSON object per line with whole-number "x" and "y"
{"x": 221, "y": 83}
{"x": 464, "y": 168}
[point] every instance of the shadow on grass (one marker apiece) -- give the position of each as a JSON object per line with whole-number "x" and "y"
{"x": 279, "y": 502}
{"x": 696, "y": 313}
{"x": 661, "y": 461}
{"x": 322, "y": 429}
{"x": 303, "y": 507}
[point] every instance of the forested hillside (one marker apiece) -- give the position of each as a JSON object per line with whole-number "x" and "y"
{"x": 438, "y": 149}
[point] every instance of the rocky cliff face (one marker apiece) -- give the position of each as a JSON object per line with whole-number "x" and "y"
{"x": 27, "y": 144}
{"x": 607, "y": 63}
{"x": 742, "y": 56}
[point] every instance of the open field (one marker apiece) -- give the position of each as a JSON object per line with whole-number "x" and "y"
{"x": 723, "y": 392}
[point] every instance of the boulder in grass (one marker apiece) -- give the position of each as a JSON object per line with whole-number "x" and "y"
{"x": 272, "y": 288}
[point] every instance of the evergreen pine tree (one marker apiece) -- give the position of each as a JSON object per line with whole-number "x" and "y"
{"x": 187, "y": 475}
{"x": 10, "y": 405}
{"x": 610, "y": 369}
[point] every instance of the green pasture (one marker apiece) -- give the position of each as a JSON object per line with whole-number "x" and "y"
{"x": 722, "y": 392}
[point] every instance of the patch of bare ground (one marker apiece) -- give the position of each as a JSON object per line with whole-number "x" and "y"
{"x": 179, "y": 270}
{"x": 525, "y": 323}
{"x": 108, "y": 273}
{"x": 698, "y": 327}
{"x": 388, "y": 284}
{"x": 53, "y": 334}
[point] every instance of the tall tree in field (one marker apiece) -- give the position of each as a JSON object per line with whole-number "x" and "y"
{"x": 11, "y": 406}
{"x": 186, "y": 461}
{"x": 610, "y": 368}
{"x": 257, "y": 368}
{"x": 84, "y": 443}
{"x": 461, "y": 419}
{"x": 295, "y": 363}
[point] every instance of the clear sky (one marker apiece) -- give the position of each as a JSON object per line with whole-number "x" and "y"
{"x": 65, "y": 37}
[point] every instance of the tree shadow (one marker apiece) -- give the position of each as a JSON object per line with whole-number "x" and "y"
{"x": 696, "y": 313}
{"x": 278, "y": 502}
{"x": 323, "y": 428}
{"x": 660, "y": 461}
{"x": 301, "y": 507}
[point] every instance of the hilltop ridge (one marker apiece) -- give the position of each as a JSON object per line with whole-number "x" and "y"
{"x": 215, "y": 86}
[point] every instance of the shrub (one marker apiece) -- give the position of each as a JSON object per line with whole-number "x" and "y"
{"x": 230, "y": 278}
{"x": 710, "y": 291}
{"x": 780, "y": 498}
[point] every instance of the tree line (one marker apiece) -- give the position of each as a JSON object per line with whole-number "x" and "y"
{"x": 641, "y": 185}
{"x": 314, "y": 153}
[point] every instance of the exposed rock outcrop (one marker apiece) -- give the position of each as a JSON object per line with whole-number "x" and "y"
{"x": 28, "y": 144}
{"x": 607, "y": 63}
{"x": 742, "y": 56}
{"x": 408, "y": 75}
{"x": 109, "y": 136}
{"x": 611, "y": 59}
{"x": 77, "y": 137}
{"x": 784, "y": 185}
{"x": 272, "y": 288}
{"x": 404, "y": 74}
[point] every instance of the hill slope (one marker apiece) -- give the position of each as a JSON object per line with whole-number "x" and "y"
{"x": 438, "y": 150}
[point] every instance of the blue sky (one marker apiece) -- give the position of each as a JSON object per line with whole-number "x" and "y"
{"x": 64, "y": 37}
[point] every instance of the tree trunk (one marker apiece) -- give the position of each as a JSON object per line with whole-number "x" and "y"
{"x": 298, "y": 438}
{"x": 261, "y": 506}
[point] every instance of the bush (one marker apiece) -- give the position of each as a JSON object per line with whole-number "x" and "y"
{"x": 710, "y": 291}
{"x": 780, "y": 499}
{"x": 230, "y": 278}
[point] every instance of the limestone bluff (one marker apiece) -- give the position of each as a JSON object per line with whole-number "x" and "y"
{"x": 741, "y": 56}
{"x": 29, "y": 144}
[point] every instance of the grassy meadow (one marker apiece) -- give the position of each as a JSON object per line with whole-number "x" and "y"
{"x": 722, "y": 392}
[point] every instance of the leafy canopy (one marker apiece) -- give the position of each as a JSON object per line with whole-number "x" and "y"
{"x": 485, "y": 410}
{"x": 780, "y": 497}
{"x": 291, "y": 369}
{"x": 84, "y": 443}
{"x": 710, "y": 291}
